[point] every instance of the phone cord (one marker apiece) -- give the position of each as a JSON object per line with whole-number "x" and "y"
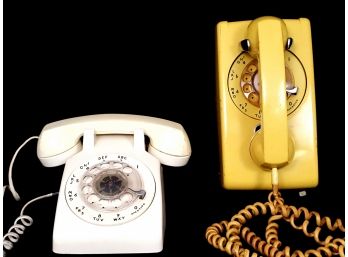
{"x": 23, "y": 221}
{"x": 17, "y": 229}
{"x": 226, "y": 235}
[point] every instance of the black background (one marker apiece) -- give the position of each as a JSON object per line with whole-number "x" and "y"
{"x": 65, "y": 60}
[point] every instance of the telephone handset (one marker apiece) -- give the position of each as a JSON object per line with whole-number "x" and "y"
{"x": 266, "y": 103}
{"x": 60, "y": 140}
{"x": 111, "y": 192}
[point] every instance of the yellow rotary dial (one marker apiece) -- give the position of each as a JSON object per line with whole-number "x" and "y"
{"x": 244, "y": 84}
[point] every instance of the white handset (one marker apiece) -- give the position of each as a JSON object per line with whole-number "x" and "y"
{"x": 60, "y": 140}
{"x": 111, "y": 193}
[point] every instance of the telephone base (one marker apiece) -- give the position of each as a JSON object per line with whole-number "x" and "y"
{"x": 136, "y": 228}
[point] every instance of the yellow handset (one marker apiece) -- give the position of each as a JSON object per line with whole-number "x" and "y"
{"x": 266, "y": 103}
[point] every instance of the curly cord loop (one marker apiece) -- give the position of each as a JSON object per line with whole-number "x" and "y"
{"x": 12, "y": 237}
{"x": 226, "y": 236}
{"x": 17, "y": 229}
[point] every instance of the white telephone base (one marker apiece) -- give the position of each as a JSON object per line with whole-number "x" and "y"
{"x": 137, "y": 228}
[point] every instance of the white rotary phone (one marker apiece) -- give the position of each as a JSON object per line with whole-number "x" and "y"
{"x": 111, "y": 195}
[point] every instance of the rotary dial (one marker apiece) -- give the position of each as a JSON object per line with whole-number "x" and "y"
{"x": 244, "y": 84}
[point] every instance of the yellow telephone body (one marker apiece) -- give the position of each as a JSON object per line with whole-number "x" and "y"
{"x": 266, "y": 103}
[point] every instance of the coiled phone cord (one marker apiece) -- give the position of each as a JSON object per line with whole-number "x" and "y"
{"x": 17, "y": 229}
{"x": 227, "y": 235}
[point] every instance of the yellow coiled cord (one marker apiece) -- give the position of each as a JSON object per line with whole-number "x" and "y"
{"x": 227, "y": 235}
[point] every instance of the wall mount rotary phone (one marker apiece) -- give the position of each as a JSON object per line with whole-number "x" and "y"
{"x": 266, "y": 103}
{"x": 111, "y": 194}
{"x": 267, "y": 133}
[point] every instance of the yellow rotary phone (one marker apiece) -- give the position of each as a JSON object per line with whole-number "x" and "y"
{"x": 266, "y": 103}
{"x": 267, "y": 132}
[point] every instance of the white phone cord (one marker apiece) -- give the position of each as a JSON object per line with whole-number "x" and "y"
{"x": 12, "y": 236}
{"x": 10, "y": 181}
